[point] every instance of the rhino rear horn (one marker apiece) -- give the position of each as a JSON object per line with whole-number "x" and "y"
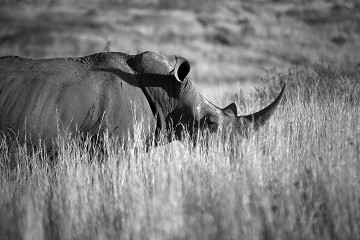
{"x": 259, "y": 118}
{"x": 230, "y": 110}
{"x": 181, "y": 69}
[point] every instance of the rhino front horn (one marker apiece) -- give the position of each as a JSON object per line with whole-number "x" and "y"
{"x": 259, "y": 118}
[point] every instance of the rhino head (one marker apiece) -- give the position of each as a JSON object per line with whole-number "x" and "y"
{"x": 194, "y": 112}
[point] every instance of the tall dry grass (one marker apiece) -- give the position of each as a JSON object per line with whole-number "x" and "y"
{"x": 297, "y": 178}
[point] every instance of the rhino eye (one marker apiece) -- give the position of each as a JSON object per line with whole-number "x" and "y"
{"x": 211, "y": 123}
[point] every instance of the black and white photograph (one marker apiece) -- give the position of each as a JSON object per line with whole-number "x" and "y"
{"x": 179, "y": 119}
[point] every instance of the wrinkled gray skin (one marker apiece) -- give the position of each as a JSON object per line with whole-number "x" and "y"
{"x": 109, "y": 91}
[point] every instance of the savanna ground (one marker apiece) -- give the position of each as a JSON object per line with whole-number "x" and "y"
{"x": 297, "y": 178}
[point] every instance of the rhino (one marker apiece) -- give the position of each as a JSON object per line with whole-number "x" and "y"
{"x": 111, "y": 91}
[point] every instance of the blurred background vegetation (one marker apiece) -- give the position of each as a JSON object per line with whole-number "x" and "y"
{"x": 229, "y": 43}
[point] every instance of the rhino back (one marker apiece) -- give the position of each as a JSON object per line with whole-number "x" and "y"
{"x": 41, "y": 97}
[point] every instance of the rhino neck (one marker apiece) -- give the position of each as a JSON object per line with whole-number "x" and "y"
{"x": 161, "y": 96}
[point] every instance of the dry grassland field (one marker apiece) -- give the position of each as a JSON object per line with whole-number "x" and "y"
{"x": 298, "y": 177}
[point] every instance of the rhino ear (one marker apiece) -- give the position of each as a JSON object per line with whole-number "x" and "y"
{"x": 230, "y": 110}
{"x": 181, "y": 69}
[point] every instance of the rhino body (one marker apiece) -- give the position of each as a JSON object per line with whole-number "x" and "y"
{"x": 40, "y": 98}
